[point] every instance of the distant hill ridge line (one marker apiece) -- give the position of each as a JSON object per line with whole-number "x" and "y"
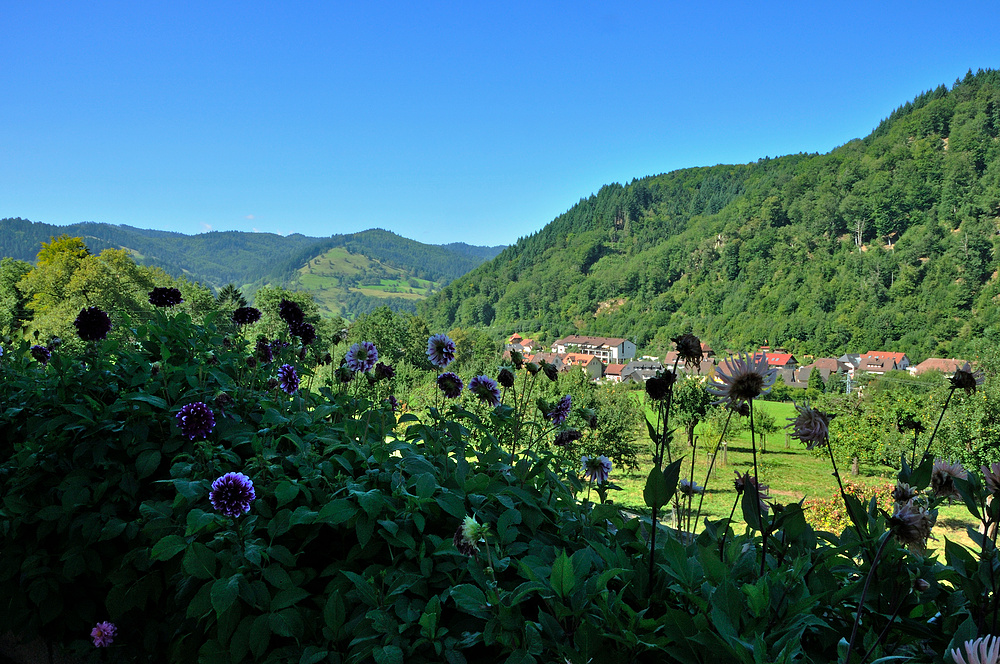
{"x": 249, "y": 260}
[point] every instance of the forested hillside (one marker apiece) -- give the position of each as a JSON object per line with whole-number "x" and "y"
{"x": 252, "y": 260}
{"x": 890, "y": 241}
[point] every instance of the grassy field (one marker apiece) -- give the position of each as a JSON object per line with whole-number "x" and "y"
{"x": 792, "y": 472}
{"x": 323, "y": 277}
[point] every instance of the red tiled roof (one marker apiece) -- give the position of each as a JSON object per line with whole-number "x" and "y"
{"x": 938, "y": 364}
{"x": 613, "y": 369}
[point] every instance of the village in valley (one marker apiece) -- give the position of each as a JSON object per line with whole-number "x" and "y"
{"x": 613, "y": 360}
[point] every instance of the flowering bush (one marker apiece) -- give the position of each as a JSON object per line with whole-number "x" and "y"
{"x": 353, "y": 534}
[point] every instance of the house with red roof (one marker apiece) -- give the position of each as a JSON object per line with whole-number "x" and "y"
{"x": 778, "y": 360}
{"x": 880, "y": 362}
{"x": 948, "y": 367}
{"x": 607, "y": 349}
{"x": 613, "y": 373}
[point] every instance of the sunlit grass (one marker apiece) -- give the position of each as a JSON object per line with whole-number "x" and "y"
{"x": 792, "y": 472}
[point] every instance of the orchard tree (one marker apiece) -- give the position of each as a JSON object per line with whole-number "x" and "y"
{"x": 691, "y": 403}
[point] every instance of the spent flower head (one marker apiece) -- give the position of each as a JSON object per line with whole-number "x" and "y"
{"x": 450, "y": 384}
{"x": 659, "y": 386}
{"x": 810, "y": 426}
{"x": 384, "y": 371}
{"x": 440, "y": 350}
{"x": 550, "y": 370}
{"x": 288, "y": 379}
{"x": 232, "y": 494}
{"x": 911, "y": 524}
{"x": 966, "y": 379}
{"x": 103, "y": 634}
{"x": 991, "y": 475}
{"x": 943, "y": 476}
{"x": 485, "y": 389}
{"x": 903, "y": 492}
{"x": 468, "y": 536}
{"x": 596, "y": 469}
{"x": 361, "y": 356}
{"x": 742, "y": 377}
{"x": 567, "y": 437}
{"x": 689, "y": 350}
{"x": 195, "y": 420}
{"x": 506, "y": 377}
{"x": 165, "y": 297}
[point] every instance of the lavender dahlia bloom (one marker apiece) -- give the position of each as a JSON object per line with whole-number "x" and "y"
{"x": 92, "y": 324}
{"x": 810, "y": 426}
{"x": 485, "y": 389}
{"x": 689, "y": 488}
{"x": 103, "y": 634}
{"x": 361, "y": 356}
{"x": 246, "y": 316}
{"x": 440, "y": 350}
{"x": 288, "y": 379}
{"x": 165, "y": 297}
{"x": 41, "y": 354}
{"x": 232, "y": 494}
{"x": 984, "y": 650}
{"x": 559, "y": 414}
{"x": 393, "y": 402}
{"x": 450, "y": 384}
{"x": 742, "y": 377}
{"x": 196, "y": 420}
{"x": 597, "y": 469}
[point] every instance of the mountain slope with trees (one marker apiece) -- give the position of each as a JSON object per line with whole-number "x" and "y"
{"x": 887, "y": 241}
{"x": 252, "y": 260}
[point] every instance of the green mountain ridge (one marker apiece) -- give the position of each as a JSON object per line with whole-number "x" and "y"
{"x": 890, "y": 241}
{"x": 251, "y": 260}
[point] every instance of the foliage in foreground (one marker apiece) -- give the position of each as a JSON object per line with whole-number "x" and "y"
{"x": 359, "y": 545}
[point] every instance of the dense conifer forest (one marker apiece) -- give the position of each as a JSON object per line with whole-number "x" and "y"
{"x": 887, "y": 241}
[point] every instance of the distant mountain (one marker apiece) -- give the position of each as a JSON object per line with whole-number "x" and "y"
{"x": 363, "y": 271}
{"x": 887, "y": 242}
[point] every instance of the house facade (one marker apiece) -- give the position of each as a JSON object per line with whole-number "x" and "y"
{"x": 607, "y": 349}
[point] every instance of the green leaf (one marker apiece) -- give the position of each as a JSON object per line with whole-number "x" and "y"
{"x": 287, "y": 598}
{"x": 285, "y": 492}
{"x": 147, "y": 462}
{"x": 286, "y": 623}
{"x": 260, "y": 636}
{"x": 199, "y": 561}
{"x": 388, "y": 655}
{"x": 471, "y": 599}
{"x": 337, "y": 512}
{"x": 313, "y": 654}
{"x": 335, "y": 612}
{"x": 562, "y": 579}
{"x": 168, "y": 547}
{"x": 224, "y": 592}
{"x": 661, "y": 486}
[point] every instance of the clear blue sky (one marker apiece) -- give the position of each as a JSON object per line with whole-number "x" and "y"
{"x": 466, "y": 121}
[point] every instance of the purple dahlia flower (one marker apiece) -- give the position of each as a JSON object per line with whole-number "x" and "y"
{"x": 263, "y": 351}
{"x": 232, "y": 494}
{"x": 291, "y": 313}
{"x": 361, "y": 357}
{"x": 304, "y": 331}
{"x": 246, "y": 316}
{"x": 165, "y": 297}
{"x": 485, "y": 389}
{"x": 450, "y": 384}
{"x": 440, "y": 350}
{"x": 559, "y": 414}
{"x": 288, "y": 379}
{"x": 195, "y": 420}
{"x": 103, "y": 634}
{"x": 92, "y": 324}
{"x": 41, "y": 353}
{"x": 384, "y": 371}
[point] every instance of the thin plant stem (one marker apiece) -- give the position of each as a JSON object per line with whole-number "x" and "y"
{"x": 756, "y": 481}
{"x": 885, "y": 630}
{"x": 864, "y": 592}
{"x": 711, "y": 465}
{"x": 722, "y": 544}
{"x": 940, "y": 417}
